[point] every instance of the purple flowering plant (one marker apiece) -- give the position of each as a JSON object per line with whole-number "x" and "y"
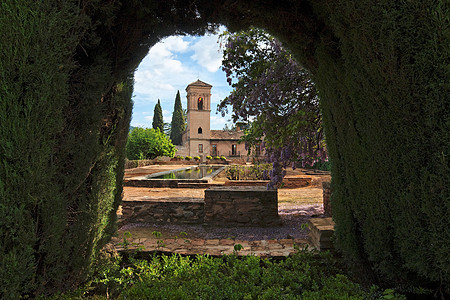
{"x": 277, "y": 97}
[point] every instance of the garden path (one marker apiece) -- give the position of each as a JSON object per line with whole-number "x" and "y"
{"x": 296, "y": 206}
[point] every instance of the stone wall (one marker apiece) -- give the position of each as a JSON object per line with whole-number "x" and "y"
{"x": 326, "y": 187}
{"x": 247, "y": 182}
{"x": 241, "y": 206}
{"x": 164, "y": 211}
{"x": 222, "y": 206}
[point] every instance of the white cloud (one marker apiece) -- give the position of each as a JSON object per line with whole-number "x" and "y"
{"x": 162, "y": 71}
{"x": 217, "y": 122}
{"x": 207, "y": 53}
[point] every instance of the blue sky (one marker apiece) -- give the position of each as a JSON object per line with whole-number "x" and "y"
{"x": 171, "y": 65}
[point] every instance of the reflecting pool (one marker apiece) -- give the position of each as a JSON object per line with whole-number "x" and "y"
{"x": 197, "y": 172}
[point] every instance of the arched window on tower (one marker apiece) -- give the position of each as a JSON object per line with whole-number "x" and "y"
{"x": 200, "y": 103}
{"x": 200, "y": 130}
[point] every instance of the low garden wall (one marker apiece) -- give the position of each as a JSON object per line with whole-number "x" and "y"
{"x": 246, "y": 182}
{"x": 170, "y": 211}
{"x": 241, "y": 206}
{"x": 222, "y": 206}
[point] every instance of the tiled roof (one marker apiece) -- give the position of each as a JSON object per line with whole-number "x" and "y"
{"x": 226, "y": 135}
{"x": 199, "y": 83}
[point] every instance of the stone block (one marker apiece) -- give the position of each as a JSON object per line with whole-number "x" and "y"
{"x": 321, "y": 232}
{"x": 241, "y": 206}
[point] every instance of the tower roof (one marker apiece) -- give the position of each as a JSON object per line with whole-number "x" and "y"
{"x": 199, "y": 83}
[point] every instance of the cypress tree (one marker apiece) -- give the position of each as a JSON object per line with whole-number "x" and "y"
{"x": 158, "y": 117}
{"x": 178, "y": 125}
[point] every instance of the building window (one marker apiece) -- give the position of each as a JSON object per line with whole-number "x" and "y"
{"x": 200, "y": 103}
{"x": 200, "y": 148}
{"x": 233, "y": 149}
{"x": 200, "y": 131}
{"x": 214, "y": 150}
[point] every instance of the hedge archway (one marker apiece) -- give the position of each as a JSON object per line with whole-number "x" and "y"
{"x": 66, "y": 77}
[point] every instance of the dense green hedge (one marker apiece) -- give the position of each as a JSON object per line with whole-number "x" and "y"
{"x": 33, "y": 93}
{"x": 381, "y": 69}
{"x": 66, "y": 72}
{"x": 386, "y": 110}
{"x": 62, "y": 134}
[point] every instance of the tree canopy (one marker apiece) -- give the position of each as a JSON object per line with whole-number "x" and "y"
{"x": 148, "y": 143}
{"x": 178, "y": 121}
{"x": 158, "y": 122}
{"x": 278, "y": 95}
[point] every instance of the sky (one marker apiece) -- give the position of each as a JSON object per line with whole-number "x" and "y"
{"x": 170, "y": 66}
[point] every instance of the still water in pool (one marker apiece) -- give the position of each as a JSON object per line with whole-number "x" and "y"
{"x": 190, "y": 173}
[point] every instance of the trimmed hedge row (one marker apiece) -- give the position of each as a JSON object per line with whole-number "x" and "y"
{"x": 381, "y": 69}
{"x": 63, "y": 129}
{"x": 386, "y": 114}
{"x": 66, "y": 79}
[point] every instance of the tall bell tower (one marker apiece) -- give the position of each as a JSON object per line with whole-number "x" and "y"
{"x": 198, "y": 118}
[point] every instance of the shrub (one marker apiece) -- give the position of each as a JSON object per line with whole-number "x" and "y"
{"x": 188, "y": 158}
{"x": 197, "y": 158}
{"x": 217, "y": 157}
{"x": 148, "y": 143}
{"x": 389, "y": 139}
{"x": 209, "y": 157}
{"x": 130, "y": 164}
{"x": 260, "y": 171}
{"x": 320, "y": 165}
{"x": 304, "y": 275}
{"x": 63, "y": 129}
{"x": 235, "y": 172}
{"x": 179, "y": 157}
{"x": 223, "y": 158}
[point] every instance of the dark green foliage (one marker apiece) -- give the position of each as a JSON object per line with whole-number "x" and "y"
{"x": 33, "y": 93}
{"x": 305, "y": 275}
{"x": 381, "y": 69}
{"x": 388, "y": 134}
{"x": 63, "y": 129}
{"x": 158, "y": 122}
{"x": 148, "y": 143}
{"x": 178, "y": 122}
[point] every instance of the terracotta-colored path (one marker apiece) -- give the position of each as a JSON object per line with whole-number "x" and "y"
{"x": 288, "y": 200}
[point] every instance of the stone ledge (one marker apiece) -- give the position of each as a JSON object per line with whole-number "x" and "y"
{"x": 320, "y": 233}
{"x": 291, "y": 182}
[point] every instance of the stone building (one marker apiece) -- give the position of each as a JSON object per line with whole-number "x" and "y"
{"x": 199, "y": 139}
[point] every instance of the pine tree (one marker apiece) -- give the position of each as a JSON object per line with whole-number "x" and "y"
{"x": 158, "y": 117}
{"x": 178, "y": 123}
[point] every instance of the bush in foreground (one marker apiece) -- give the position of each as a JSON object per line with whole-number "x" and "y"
{"x": 305, "y": 275}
